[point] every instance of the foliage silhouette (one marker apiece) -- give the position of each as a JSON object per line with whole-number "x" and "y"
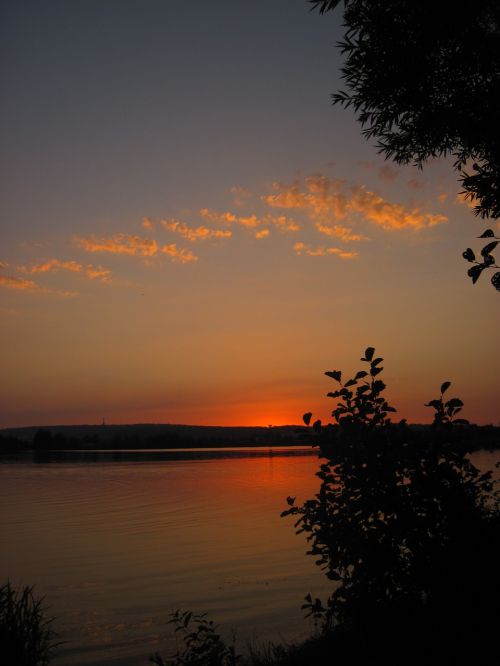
{"x": 424, "y": 80}
{"x": 399, "y": 522}
{"x": 26, "y": 636}
{"x": 202, "y": 645}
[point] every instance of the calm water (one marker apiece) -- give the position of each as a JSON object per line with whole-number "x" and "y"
{"x": 116, "y": 546}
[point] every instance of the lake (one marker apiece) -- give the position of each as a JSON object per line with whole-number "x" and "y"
{"x": 116, "y": 545}
{"x": 117, "y": 541}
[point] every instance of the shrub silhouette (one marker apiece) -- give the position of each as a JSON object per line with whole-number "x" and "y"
{"x": 202, "y": 645}
{"x": 404, "y": 524}
{"x": 26, "y": 636}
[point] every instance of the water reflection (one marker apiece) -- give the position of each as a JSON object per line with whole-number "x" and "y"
{"x": 151, "y": 455}
{"x": 116, "y": 547}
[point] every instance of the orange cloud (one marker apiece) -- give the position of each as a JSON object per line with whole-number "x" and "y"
{"x": 289, "y": 196}
{"x": 16, "y": 282}
{"x": 391, "y": 216}
{"x": 135, "y": 245}
{"x": 90, "y": 271}
{"x": 22, "y": 284}
{"x": 3, "y": 264}
{"x": 147, "y": 224}
{"x": 263, "y": 233}
{"x": 221, "y": 218}
{"x": 97, "y": 273}
{"x": 119, "y": 244}
{"x": 54, "y": 265}
{"x": 179, "y": 254}
{"x": 321, "y": 251}
{"x": 194, "y": 233}
{"x": 281, "y": 222}
{"x": 327, "y": 200}
{"x": 322, "y": 197}
{"x": 250, "y": 222}
{"x": 339, "y": 231}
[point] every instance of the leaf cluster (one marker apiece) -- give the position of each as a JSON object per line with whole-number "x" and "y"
{"x": 488, "y": 260}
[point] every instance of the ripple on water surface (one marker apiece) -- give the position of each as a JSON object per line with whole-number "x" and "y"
{"x": 116, "y": 546}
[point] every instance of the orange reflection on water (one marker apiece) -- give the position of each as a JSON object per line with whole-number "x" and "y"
{"x": 117, "y": 546}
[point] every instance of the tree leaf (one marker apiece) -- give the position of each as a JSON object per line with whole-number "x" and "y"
{"x": 334, "y": 374}
{"x": 475, "y": 272}
{"x": 360, "y": 374}
{"x": 369, "y": 351}
{"x": 495, "y": 281}
{"x": 489, "y": 233}
{"x": 445, "y": 386}
{"x": 307, "y": 418}
{"x": 317, "y": 426}
{"x": 434, "y": 403}
{"x": 488, "y": 248}
{"x": 455, "y": 402}
{"x": 468, "y": 254}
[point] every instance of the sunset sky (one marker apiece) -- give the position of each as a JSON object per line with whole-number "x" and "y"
{"x": 191, "y": 233}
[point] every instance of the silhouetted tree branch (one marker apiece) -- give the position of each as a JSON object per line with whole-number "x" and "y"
{"x": 423, "y": 79}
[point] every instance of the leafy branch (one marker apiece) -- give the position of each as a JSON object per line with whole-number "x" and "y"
{"x": 488, "y": 259}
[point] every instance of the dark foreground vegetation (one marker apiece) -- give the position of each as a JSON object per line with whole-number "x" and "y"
{"x": 26, "y": 635}
{"x": 404, "y": 526}
{"x": 408, "y": 529}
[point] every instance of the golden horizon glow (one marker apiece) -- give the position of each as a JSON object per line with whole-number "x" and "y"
{"x": 160, "y": 342}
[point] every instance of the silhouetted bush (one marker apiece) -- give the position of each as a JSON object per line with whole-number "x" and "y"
{"x": 202, "y": 645}
{"x": 26, "y": 636}
{"x": 407, "y": 529}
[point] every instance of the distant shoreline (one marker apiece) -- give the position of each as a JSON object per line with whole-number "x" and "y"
{"x": 145, "y": 436}
{"x": 168, "y": 437}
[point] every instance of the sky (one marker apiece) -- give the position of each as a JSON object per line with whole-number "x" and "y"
{"x": 191, "y": 233}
